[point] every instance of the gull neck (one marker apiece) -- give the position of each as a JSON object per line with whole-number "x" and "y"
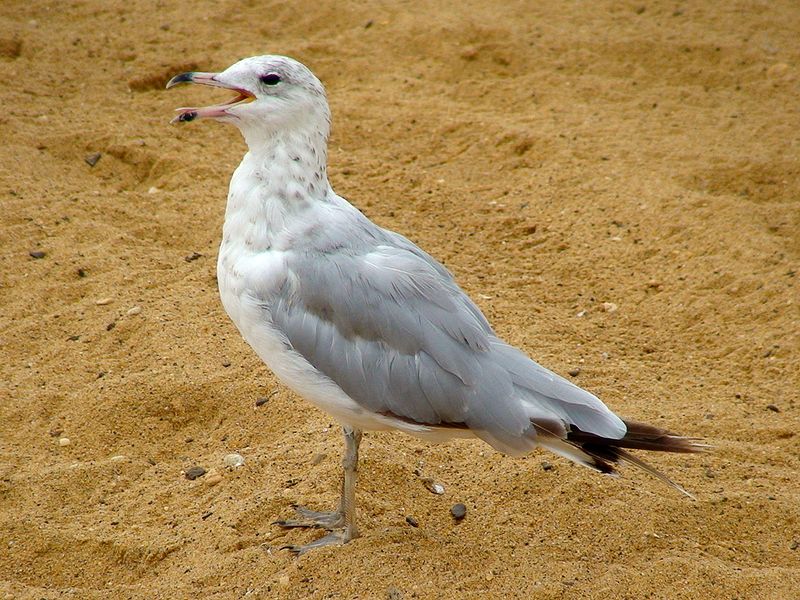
{"x": 290, "y": 164}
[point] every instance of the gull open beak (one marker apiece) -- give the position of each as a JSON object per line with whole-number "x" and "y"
{"x": 219, "y": 110}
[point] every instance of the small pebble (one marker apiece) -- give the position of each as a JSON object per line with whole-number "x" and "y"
{"x": 64, "y": 441}
{"x": 412, "y": 521}
{"x": 574, "y": 372}
{"x": 318, "y": 458}
{"x": 119, "y": 458}
{"x": 794, "y": 545}
{"x": 262, "y": 401}
{"x": 546, "y": 466}
{"x": 37, "y": 253}
{"x": 192, "y": 256}
{"x": 233, "y": 460}
{"x": 56, "y": 431}
{"x": 153, "y": 190}
{"x": 194, "y": 472}
{"x": 213, "y": 477}
{"x": 134, "y": 310}
{"x": 283, "y": 581}
{"x": 777, "y": 70}
{"x": 469, "y": 53}
{"x": 103, "y": 301}
{"x": 773, "y": 408}
{"x": 610, "y": 307}
{"x": 91, "y": 159}
{"x": 432, "y": 486}
{"x": 394, "y": 594}
{"x": 459, "y": 511}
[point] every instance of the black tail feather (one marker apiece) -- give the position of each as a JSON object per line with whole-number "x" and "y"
{"x": 640, "y": 436}
{"x": 603, "y": 454}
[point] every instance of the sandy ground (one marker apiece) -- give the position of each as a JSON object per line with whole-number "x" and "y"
{"x": 617, "y": 184}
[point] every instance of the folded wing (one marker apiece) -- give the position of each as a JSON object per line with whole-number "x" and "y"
{"x": 391, "y": 328}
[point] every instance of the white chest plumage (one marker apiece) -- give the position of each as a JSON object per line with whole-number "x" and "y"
{"x": 267, "y": 210}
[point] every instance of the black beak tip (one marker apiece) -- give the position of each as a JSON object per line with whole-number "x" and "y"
{"x": 182, "y": 78}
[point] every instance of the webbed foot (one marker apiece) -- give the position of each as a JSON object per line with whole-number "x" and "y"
{"x": 315, "y": 519}
{"x": 337, "y": 537}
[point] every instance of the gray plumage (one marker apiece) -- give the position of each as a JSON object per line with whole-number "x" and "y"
{"x": 390, "y": 326}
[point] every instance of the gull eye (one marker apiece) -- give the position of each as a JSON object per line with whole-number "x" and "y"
{"x": 270, "y": 79}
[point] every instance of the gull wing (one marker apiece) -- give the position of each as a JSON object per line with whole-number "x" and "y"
{"x": 393, "y": 330}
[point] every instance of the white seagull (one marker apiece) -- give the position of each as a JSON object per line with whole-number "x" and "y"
{"x": 364, "y": 324}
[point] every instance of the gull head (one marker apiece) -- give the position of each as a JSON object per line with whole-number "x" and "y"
{"x": 273, "y": 93}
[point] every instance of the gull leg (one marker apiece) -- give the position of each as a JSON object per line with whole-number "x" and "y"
{"x": 342, "y": 522}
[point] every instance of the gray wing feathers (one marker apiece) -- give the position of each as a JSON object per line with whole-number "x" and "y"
{"x": 395, "y": 332}
{"x": 551, "y": 392}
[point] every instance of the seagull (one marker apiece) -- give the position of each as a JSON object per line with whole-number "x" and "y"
{"x": 364, "y": 324}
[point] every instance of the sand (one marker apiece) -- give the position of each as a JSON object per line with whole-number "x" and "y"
{"x": 617, "y": 184}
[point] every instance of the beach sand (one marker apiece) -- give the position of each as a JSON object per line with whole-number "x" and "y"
{"x": 616, "y": 184}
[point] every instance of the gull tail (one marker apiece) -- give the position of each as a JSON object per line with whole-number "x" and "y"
{"x": 604, "y": 454}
